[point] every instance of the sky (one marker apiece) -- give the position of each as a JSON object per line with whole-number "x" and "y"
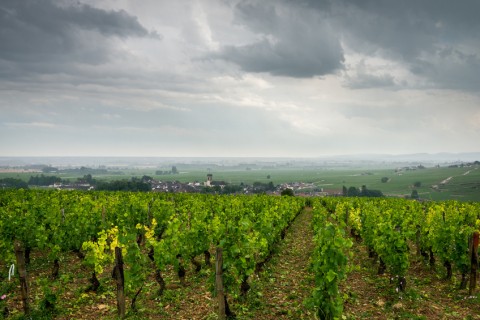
{"x": 283, "y": 78}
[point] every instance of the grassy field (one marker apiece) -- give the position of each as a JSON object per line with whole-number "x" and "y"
{"x": 460, "y": 183}
{"x": 463, "y": 185}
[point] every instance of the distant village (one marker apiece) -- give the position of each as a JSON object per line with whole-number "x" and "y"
{"x": 216, "y": 187}
{"x": 299, "y": 188}
{"x": 49, "y": 179}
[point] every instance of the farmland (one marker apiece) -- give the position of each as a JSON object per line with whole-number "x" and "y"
{"x": 445, "y": 182}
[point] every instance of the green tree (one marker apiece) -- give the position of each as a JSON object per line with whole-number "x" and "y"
{"x": 13, "y": 183}
{"x": 134, "y": 184}
{"x": 353, "y": 192}
{"x": 287, "y": 192}
{"x": 42, "y": 180}
{"x": 146, "y": 179}
{"x": 87, "y": 178}
{"x": 384, "y": 180}
{"x": 49, "y": 169}
{"x": 414, "y": 194}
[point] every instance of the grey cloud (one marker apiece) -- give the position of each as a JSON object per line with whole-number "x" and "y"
{"x": 450, "y": 69}
{"x": 39, "y": 35}
{"x": 116, "y": 23}
{"x": 302, "y": 39}
{"x": 365, "y": 81}
{"x": 437, "y": 40}
{"x": 294, "y": 41}
{"x": 283, "y": 59}
{"x": 365, "y": 77}
{"x": 323, "y": 5}
{"x": 458, "y": 14}
{"x": 408, "y": 28}
{"x": 263, "y": 17}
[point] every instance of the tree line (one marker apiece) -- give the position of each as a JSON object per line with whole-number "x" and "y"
{"x": 362, "y": 192}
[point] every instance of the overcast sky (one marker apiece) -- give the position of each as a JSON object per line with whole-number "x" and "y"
{"x": 238, "y": 78}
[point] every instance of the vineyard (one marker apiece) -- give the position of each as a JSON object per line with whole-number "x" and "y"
{"x": 104, "y": 255}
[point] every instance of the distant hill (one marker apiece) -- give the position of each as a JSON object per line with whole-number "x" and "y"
{"x": 437, "y": 158}
{"x": 415, "y": 157}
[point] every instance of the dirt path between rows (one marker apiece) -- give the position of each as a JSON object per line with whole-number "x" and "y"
{"x": 285, "y": 282}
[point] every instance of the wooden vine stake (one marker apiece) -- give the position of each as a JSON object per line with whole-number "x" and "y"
{"x": 22, "y": 273}
{"x": 103, "y": 215}
{"x": 118, "y": 275}
{"x": 418, "y": 234}
{"x": 346, "y": 218}
{"x": 474, "y": 263}
{"x": 219, "y": 284}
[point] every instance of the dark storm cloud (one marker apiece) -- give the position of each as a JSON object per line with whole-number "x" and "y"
{"x": 450, "y": 69}
{"x": 39, "y": 35}
{"x": 408, "y": 28}
{"x": 433, "y": 39}
{"x": 293, "y": 42}
{"x": 460, "y": 14}
{"x": 437, "y": 40}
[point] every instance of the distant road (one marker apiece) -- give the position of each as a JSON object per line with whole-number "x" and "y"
{"x": 446, "y": 180}
{"x": 450, "y": 178}
{"x": 469, "y": 171}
